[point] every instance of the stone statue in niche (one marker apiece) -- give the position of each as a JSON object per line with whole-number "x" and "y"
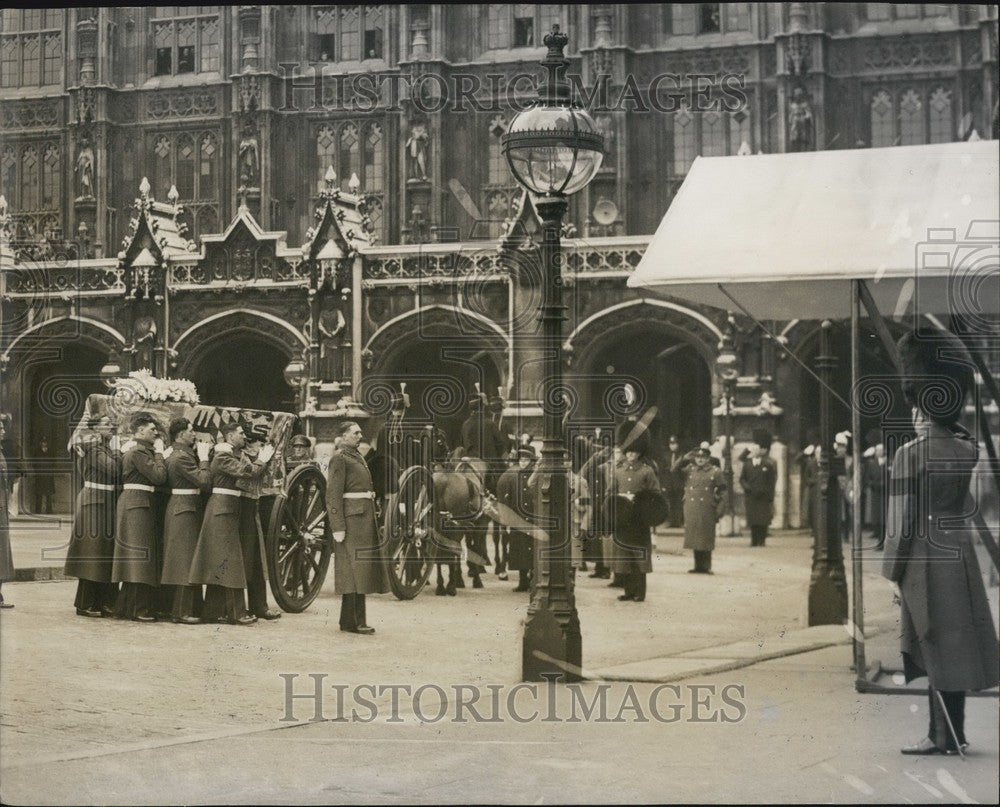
{"x": 249, "y": 158}
{"x": 800, "y": 121}
{"x": 416, "y": 149}
{"x": 85, "y": 170}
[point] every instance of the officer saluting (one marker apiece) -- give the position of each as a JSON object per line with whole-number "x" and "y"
{"x": 703, "y": 489}
{"x": 350, "y": 502}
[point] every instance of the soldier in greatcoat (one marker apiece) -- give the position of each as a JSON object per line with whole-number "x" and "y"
{"x": 633, "y": 548}
{"x": 6, "y": 558}
{"x": 673, "y": 483}
{"x": 930, "y": 547}
{"x": 704, "y": 489}
{"x": 350, "y": 502}
{"x": 138, "y": 533}
{"x": 218, "y": 557}
{"x": 758, "y": 478}
{"x": 189, "y": 477}
{"x": 92, "y": 546}
{"x": 252, "y": 536}
{"x": 515, "y": 492}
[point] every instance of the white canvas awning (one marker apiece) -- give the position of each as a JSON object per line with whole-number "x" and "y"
{"x": 784, "y": 234}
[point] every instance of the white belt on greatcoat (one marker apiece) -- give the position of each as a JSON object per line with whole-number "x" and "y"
{"x": 227, "y": 491}
{"x": 185, "y": 491}
{"x": 98, "y": 486}
{"x": 368, "y": 494}
{"x": 134, "y": 486}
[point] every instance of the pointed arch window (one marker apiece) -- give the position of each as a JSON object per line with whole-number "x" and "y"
{"x": 911, "y": 119}
{"x": 881, "y": 119}
{"x": 8, "y": 174}
{"x": 350, "y": 154}
{"x": 51, "y": 165}
{"x": 29, "y": 179}
{"x": 940, "y": 116}
{"x": 499, "y": 172}
{"x": 185, "y": 167}
{"x": 353, "y": 148}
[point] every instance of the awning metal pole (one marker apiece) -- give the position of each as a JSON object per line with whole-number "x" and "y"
{"x": 858, "y": 634}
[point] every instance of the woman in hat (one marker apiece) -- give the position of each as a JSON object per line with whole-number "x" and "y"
{"x": 633, "y": 547}
{"x": 704, "y": 489}
{"x": 930, "y": 553}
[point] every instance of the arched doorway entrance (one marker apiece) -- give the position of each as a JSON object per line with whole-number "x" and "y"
{"x": 439, "y": 378}
{"x": 243, "y": 371}
{"x": 56, "y": 384}
{"x": 667, "y": 358}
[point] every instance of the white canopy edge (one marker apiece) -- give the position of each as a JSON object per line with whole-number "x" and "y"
{"x": 785, "y": 233}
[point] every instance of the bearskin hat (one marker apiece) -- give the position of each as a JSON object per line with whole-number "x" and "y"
{"x": 936, "y": 373}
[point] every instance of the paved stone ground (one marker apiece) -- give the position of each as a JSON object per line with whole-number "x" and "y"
{"x": 111, "y": 712}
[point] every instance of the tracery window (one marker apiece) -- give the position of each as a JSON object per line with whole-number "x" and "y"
{"x": 708, "y": 134}
{"x": 186, "y": 39}
{"x": 353, "y": 148}
{"x": 911, "y": 116}
{"x": 521, "y": 25}
{"x": 347, "y": 33}
{"x": 31, "y": 47}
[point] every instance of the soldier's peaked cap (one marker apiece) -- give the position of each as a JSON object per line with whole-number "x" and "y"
{"x": 762, "y": 437}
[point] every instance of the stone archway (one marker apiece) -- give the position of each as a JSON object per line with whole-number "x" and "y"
{"x": 440, "y": 353}
{"x": 238, "y": 358}
{"x": 53, "y": 367}
{"x": 666, "y": 352}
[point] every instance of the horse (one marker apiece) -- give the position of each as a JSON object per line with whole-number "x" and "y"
{"x": 462, "y": 509}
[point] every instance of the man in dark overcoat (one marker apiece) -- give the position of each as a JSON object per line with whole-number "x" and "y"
{"x": 758, "y": 478}
{"x": 218, "y": 558}
{"x": 595, "y": 475}
{"x": 350, "y": 503}
{"x": 138, "y": 533}
{"x": 704, "y": 490}
{"x": 92, "y": 546}
{"x": 252, "y": 536}
{"x": 673, "y": 483}
{"x": 633, "y": 549}
{"x": 189, "y": 477}
{"x": 930, "y": 547}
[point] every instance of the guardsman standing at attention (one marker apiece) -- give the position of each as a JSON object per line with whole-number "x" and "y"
{"x": 138, "y": 534}
{"x": 704, "y": 487}
{"x": 252, "y": 536}
{"x": 189, "y": 476}
{"x": 758, "y": 478}
{"x": 92, "y": 549}
{"x": 350, "y": 502}
{"x": 218, "y": 557}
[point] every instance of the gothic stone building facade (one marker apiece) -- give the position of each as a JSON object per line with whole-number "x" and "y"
{"x": 324, "y": 193}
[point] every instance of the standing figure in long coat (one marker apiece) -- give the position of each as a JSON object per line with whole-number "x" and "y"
{"x": 189, "y": 477}
{"x": 92, "y": 547}
{"x": 252, "y": 536}
{"x": 947, "y": 629}
{"x": 633, "y": 547}
{"x": 595, "y": 476}
{"x": 514, "y": 491}
{"x": 350, "y": 503}
{"x": 758, "y": 478}
{"x": 704, "y": 492}
{"x": 673, "y": 483}
{"x": 218, "y": 558}
{"x": 138, "y": 533}
{"x": 6, "y": 559}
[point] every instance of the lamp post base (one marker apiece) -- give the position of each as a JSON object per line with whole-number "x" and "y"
{"x": 552, "y": 645}
{"x": 827, "y": 594}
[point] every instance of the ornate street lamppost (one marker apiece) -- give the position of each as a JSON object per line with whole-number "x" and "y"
{"x": 728, "y": 373}
{"x": 553, "y": 149}
{"x": 828, "y": 583}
